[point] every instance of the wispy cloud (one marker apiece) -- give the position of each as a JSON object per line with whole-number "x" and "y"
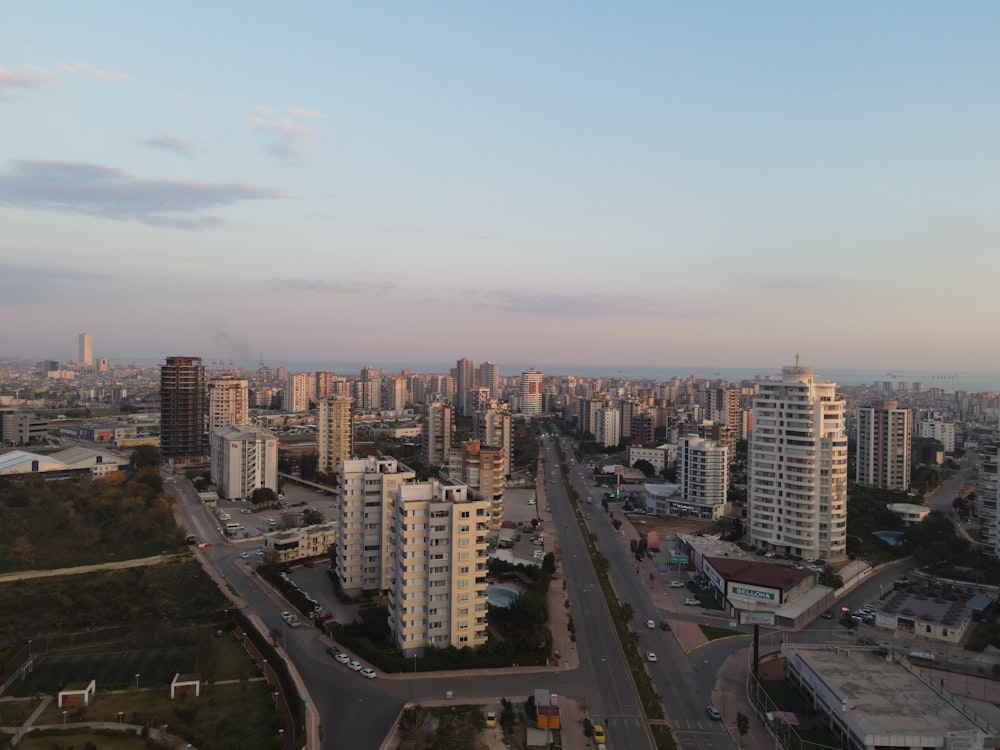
{"x": 111, "y": 193}
{"x": 21, "y": 283}
{"x": 558, "y": 304}
{"x": 90, "y": 71}
{"x": 285, "y": 135}
{"x": 27, "y": 77}
{"x": 319, "y": 286}
{"x": 170, "y": 142}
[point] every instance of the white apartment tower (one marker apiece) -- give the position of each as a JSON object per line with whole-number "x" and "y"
{"x": 608, "y": 427}
{"x": 884, "y": 447}
{"x": 228, "y": 402}
{"x": 334, "y": 432}
{"x": 368, "y": 488}
{"x": 243, "y": 461}
{"x": 300, "y": 388}
{"x": 797, "y": 469}
{"x": 437, "y": 581}
{"x": 435, "y": 437}
{"x": 703, "y": 475}
{"x": 987, "y": 495}
{"x": 465, "y": 381}
{"x": 531, "y": 392}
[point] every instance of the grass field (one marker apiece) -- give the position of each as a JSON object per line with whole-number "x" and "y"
{"x": 115, "y": 670}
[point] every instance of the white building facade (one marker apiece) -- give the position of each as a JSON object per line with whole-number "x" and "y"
{"x": 797, "y": 469}
{"x": 703, "y": 475}
{"x": 244, "y": 461}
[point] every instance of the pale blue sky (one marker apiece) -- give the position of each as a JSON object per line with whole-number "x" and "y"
{"x": 644, "y": 183}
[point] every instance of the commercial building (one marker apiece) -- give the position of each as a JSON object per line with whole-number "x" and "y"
{"x": 183, "y": 410}
{"x": 437, "y": 582}
{"x": 22, "y": 428}
{"x": 86, "y": 354}
{"x": 797, "y": 500}
{"x": 368, "y": 488}
{"x": 884, "y": 439}
{"x": 334, "y": 432}
{"x": 658, "y": 456}
{"x": 871, "y": 703}
{"x": 481, "y": 468}
{"x": 243, "y": 461}
{"x": 228, "y": 402}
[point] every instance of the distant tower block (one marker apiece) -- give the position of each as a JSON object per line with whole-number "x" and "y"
{"x": 86, "y": 355}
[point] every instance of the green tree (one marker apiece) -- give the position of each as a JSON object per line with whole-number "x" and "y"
{"x": 263, "y": 496}
{"x": 311, "y": 517}
{"x": 742, "y": 726}
{"x": 645, "y": 467}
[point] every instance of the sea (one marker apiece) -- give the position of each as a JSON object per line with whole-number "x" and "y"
{"x": 972, "y": 382}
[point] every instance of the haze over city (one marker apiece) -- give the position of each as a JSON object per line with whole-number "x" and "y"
{"x": 648, "y": 184}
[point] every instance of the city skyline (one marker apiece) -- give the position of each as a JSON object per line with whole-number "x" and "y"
{"x": 648, "y": 185}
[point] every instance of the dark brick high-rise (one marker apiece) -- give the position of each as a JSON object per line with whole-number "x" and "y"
{"x": 183, "y": 408}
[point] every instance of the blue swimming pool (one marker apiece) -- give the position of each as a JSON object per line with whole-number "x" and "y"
{"x": 500, "y": 596}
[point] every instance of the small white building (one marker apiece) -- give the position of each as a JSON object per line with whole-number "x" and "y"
{"x": 911, "y": 513}
{"x": 243, "y": 461}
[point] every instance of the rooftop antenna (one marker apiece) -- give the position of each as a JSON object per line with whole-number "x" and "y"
{"x": 796, "y": 359}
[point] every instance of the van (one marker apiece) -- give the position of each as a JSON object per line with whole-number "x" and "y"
{"x": 920, "y": 656}
{"x": 232, "y": 528}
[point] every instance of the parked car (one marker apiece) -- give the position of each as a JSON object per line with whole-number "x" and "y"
{"x": 676, "y": 584}
{"x": 693, "y": 601}
{"x": 828, "y": 615}
{"x": 664, "y": 625}
{"x": 354, "y": 666}
{"x": 368, "y": 672}
{"x": 342, "y": 658}
{"x": 491, "y": 719}
{"x": 333, "y": 651}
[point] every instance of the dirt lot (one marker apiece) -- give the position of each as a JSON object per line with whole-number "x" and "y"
{"x": 671, "y": 525}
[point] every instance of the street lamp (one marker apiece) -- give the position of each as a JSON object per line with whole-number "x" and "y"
{"x": 121, "y": 717}
{"x": 64, "y": 716}
{"x": 136, "y": 680}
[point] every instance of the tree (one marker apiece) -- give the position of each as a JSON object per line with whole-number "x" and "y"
{"x": 311, "y": 517}
{"x": 414, "y": 727}
{"x": 742, "y": 726}
{"x": 145, "y": 455}
{"x": 263, "y": 496}
{"x": 645, "y": 467}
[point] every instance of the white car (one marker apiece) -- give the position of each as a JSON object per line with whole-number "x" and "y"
{"x": 650, "y": 624}
{"x": 650, "y": 656}
{"x": 693, "y": 601}
{"x": 368, "y": 672}
{"x": 676, "y": 584}
{"x": 286, "y": 616}
{"x": 342, "y": 658}
{"x": 354, "y": 666}
{"x": 245, "y": 555}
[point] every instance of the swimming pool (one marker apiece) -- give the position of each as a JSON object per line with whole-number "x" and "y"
{"x": 500, "y": 596}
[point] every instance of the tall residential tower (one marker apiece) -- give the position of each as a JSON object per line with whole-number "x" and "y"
{"x": 797, "y": 469}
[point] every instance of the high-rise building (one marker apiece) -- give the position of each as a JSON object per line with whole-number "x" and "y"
{"x": 437, "y": 582}
{"x": 703, "y": 475}
{"x": 334, "y": 432}
{"x": 368, "y": 488}
{"x": 183, "y": 409}
{"x": 493, "y": 427}
{"x": 243, "y": 461}
{"x": 394, "y": 394}
{"x": 797, "y": 501}
{"x": 228, "y": 402}
{"x": 987, "y": 497}
{"x": 884, "y": 447}
{"x": 607, "y": 430}
{"x": 435, "y": 436}
{"x": 724, "y": 408}
{"x": 481, "y": 468}
{"x": 86, "y": 354}
{"x": 300, "y": 389}
{"x": 531, "y": 392}
{"x": 465, "y": 381}
{"x": 489, "y": 377}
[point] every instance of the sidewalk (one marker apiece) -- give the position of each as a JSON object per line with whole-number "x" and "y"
{"x": 730, "y": 696}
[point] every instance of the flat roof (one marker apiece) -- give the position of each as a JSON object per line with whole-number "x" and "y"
{"x": 880, "y": 697}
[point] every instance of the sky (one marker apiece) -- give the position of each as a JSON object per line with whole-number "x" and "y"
{"x": 646, "y": 183}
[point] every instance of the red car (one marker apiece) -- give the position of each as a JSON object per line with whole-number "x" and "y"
{"x": 323, "y": 616}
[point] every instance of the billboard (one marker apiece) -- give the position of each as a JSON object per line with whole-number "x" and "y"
{"x": 756, "y": 618}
